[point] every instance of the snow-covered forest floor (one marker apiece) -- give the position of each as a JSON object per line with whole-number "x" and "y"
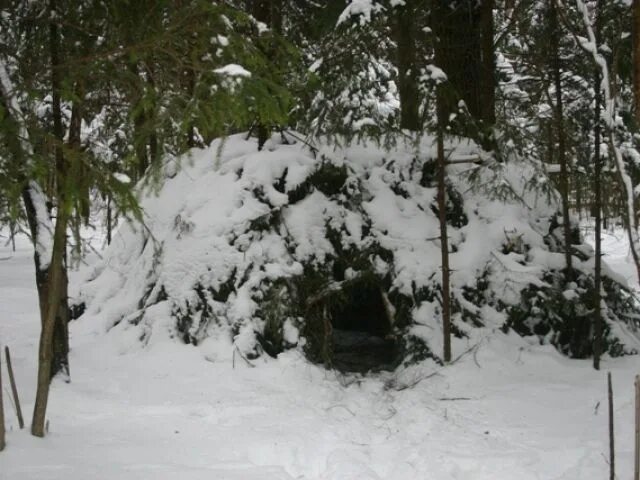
{"x": 504, "y": 410}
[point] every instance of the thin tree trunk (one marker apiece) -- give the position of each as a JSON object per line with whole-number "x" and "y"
{"x": 597, "y": 296}
{"x": 444, "y": 240}
{"x": 559, "y": 120}
{"x": 636, "y": 463}
{"x": 2, "y": 428}
{"x": 612, "y": 448}
{"x": 404, "y": 30}
{"x": 597, "y": 186}
{"x": 139, "y": 125}
{"x": 109, "y": 226}
{"x": 636, "y": 59}
{"x": 57, "y": 276}
{"x": 262, "y": 11}
{"x": 59, "y": 359}
{"x": 14, "y": 388}
{"x": 488, "y": 69}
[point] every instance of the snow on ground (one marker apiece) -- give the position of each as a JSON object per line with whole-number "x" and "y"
{"x": 504, "y": 410}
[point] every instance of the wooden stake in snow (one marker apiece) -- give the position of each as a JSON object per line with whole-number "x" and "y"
{"x": 14, "y": 389}
{"x": 612, "y": 458}
{"x": 2, "y": 442}
{"x": 637, "y": 455}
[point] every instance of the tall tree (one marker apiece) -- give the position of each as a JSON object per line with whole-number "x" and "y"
{"x": 597, "y": 207}
{"x": 561, "y": 151}
{"x": 465, "y": 51}
{"x": 405, "y": 33}
{"x": 635, "y": 32}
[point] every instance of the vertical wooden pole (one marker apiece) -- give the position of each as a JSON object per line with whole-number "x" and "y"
{"x": 14, "y": 389}
{"x": 637, "y": 455}
{"x": 612, "y": 457}
{"x": 2, "y": 441}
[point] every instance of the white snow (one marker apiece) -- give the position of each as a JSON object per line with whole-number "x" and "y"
{"x": 122, "y": 178}
{"x": 505, "y": 409}
{"x": 363, "y": 9}
{"x": 233, "y": 70}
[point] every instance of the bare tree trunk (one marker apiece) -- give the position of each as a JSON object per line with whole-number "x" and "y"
{"x": 2, "y": 432}
{"x": 45, "y": 352}
{"x": 636, "y": 469}
{"x": 43, "y": 282}
{"x": 636, "y": 59}
{"x": 559, "y": 120}
{"x": 262, "y": 11}
{"x": 14, "y": 388}
{"x": 458, "y": 53}
{"x": 57, "y": 275}
{"x": 109, "y": 220}
{"x": 60, "y": 352}
{"x": 612, "y": 449}
{"x": 597, "y": 186}
{"x": 444, "y": 239}
{"x": 488, "y": 80}
{"x": 404, "y": 31}
{"x": 597, "y": 296}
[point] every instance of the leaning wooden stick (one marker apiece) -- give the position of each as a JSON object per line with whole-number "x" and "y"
{"x": 2, "y": 442}
{"x": 612, "y": 450}
{"x": 637, "y": 456}
{"x": 14, "y": 389}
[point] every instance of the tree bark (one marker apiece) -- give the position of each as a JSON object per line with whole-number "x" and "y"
{"x": 45, "y": 351}
{"x": 464, "y": 51}
{"x": 57, "y": 275}
{"x": 597, "y": 186}
{"x": 109, "y": 219}
{"x": 2, "y": 427}
{"x": 262, "y": 12}
{"x": 14, "y": 388}
{"x": 404, "y": 30}
{"x": 636, "y": 59}
{"x": 488, "y": 78}
{"x": 60, "y": 358}
{"x": 444, "y": 239}
{"x": 636, "y": 457}
{"x": 612, "y": 448}
{"x": 458, "y": 53}
{"x": 559, "y": 121}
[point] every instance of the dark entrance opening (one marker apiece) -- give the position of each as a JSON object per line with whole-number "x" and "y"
{"x": 362, "y": 339}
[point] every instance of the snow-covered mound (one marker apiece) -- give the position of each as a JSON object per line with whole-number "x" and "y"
{"x": 283, "y": 248}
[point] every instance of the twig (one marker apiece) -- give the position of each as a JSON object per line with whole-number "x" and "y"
{"x": 243, "y": 357}
{"x": 14, "y": 389}
{"x": 342, "y": 406}
{"x": 412, "y": 384}
{"x": 612, "y": 454}
{"x": 2, "y": 440}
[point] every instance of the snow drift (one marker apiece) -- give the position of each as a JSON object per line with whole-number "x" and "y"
{"x": 273, "y": 250}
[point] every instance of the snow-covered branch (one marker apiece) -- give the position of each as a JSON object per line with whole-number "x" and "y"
{"x": 363, "y": 9}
